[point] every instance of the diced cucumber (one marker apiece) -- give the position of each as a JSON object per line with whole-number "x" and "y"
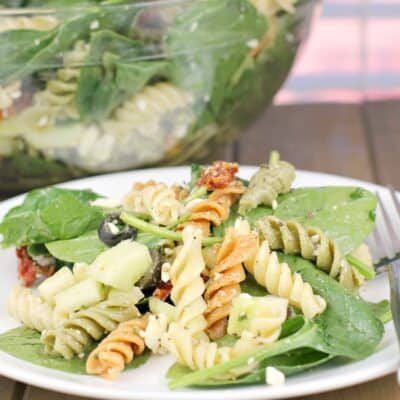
{"x": 83, "y": 294}
{"x": 81, "y": 271}
{"x": 123, "y": 265}
{"x": 246, "y": 309}
{"x": 135, "y": 294}
{"x": 159, "y": 307}
{"x": 61, "y": 280}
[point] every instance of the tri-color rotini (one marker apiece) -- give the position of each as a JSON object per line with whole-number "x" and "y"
{"x": 118, "y": 349}
{"x": 72, "y": 336}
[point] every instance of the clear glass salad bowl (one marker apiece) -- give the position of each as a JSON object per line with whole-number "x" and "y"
{"x": 90, "y": 87}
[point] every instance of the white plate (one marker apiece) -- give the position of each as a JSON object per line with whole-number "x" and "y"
{"x": 148, "y": 381}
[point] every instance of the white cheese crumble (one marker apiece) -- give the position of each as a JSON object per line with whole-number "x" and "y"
{"x": 94, "y": 25}
{"x": 194, "y": 26}
{"x": 43, "y": 121}
{"x": 274, "y": 205}
{"x": 274, "y": 377}
{"x": 253, "y": 43}
{"x": 244, "y": 296}
{"x": 106, "y": 203}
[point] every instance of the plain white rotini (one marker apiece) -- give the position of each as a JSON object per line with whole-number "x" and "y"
{"x": 188, "y": 285}
{"x": 39, "y": 23}
{"x": 155, "y": 332}
{"x": 72, "y": 336}
{"x": 279, "y": 280}
{"x": 30, "y": 309}
{"x": 156, "y": 200}
{"x": 196, "y": 354}
{"x": 58, "y": 98}
{"x": 153, "y": 119}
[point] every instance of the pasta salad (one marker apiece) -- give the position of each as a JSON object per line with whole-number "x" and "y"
{"x": 242, "y": 281}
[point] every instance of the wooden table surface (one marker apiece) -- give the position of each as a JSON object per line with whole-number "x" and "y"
{"x": 360, "y": 141}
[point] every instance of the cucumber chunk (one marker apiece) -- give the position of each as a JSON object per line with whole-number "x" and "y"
{"x": 135, "y": 294}
{"x": 61, "y": 280}
{"x": 83, "y": 294}
{"x": 123, "y": 265}
{"x": 249, "y": 313}
{"x": 159, "y": 307}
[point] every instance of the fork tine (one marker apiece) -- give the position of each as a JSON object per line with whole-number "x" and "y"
{"x": 389, "y": 244}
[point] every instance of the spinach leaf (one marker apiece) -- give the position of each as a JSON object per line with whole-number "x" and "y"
{"x": 50, "y": 214}
{"x": 207, "y": 43}
{"x": 250, "y": 286}
{"x": 24, "y": 343}
{"x": 382, "y": 311}
{"x": 115, "y": 74}
{"x": 28, "y": 51}
{"x": 84, "y": 248}
{"x": 347, "y": 328}
{"x": 343, "y": 213}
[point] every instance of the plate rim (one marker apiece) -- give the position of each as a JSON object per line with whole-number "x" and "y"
{"x": 36, "y": 375}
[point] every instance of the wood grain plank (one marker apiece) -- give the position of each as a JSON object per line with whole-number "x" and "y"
{"x": 383, "y": 123}
{"x": 33, "y": 393}
{"x": 380, "y": 389}
{"x": 7, "y": 389}
{"x": 319, "y": 137}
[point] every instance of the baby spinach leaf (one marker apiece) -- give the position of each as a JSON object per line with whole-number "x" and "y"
{"x": 221, "y": 29}
{"x": 250, "y": 286}
{"x": 114, "y": 75}
{"x": 348, "y": 326}
{"x": 24, "y": 343}
{"x": 382, "y": 310}
{"x": 28, "y": 51}
{"x": 344, "y": 217}
{"x": 50, "y": 214}
{"x": 84, "y": 248}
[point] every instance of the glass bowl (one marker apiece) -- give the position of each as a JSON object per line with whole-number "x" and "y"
{"x": 90, "y": 87}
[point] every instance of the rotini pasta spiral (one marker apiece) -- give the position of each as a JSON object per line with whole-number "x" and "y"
{"x": 58, "y": 98}
{"x": 194, "y": 353}
{"x": 215, "y": 209}
{"x": 151, "y": 120}
{"x": 197, "y": 354}
{"x": 225, "y": 277}
{"x": 156, "y": 200}
{"x": 312, "y": 244}
{"x": 278, "y": 279}
{"x": 266, "y": 184}
{"x": 29, "y": 308}
{"x": 118, "y": 349}
{"x": 155, "y": 332}
{"x": 89, "y": 324}
{"x": 188, "y": 285}
{"x": 38, "y": 23}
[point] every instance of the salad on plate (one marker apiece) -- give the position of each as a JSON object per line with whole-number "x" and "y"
{"x": 241, "y": 281}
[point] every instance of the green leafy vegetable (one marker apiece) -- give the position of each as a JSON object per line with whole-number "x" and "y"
{"x": 24, "y": 343}
{"x": 50, "y": 214}
{"x": 382, "y": 311}
{"x": 115, "y": 74}
{"x": 222, "y": 27}
{"x": 84, "y": 248}
{"x": 343, "y": 216}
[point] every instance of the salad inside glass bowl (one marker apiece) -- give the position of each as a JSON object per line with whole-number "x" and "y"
{"x": 89, "y": 86}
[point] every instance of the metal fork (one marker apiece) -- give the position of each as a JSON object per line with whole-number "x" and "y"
{"x": 385, "y": 246}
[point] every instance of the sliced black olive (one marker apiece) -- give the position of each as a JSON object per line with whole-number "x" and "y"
{"x": 111, "y": 234}
{"x": 152, "y": 277}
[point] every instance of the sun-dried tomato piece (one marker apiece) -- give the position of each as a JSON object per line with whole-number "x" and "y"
{"x": 219, "y": 175}
{"x": 163, "y": 291}
{"x": 27, "y": 268}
